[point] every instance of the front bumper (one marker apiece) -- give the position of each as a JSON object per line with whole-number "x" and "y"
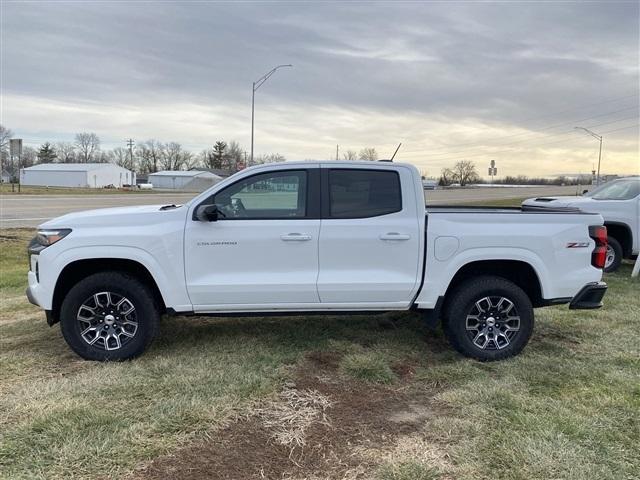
{"x": 589, "y": 297}
{"x": 30, "y": 297}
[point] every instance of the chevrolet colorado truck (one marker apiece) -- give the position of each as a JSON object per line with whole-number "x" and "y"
{"x": 618, "y": 201}
{"x": 313, "y": 237}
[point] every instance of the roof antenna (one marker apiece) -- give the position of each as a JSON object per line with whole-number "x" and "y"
{"x": 394, "y": 153}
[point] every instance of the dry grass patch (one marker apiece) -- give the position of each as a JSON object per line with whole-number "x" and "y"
{"x": 290, "y": 416}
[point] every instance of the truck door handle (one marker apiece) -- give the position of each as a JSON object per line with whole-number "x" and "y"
{"x": 295, "y": 237}
{"x": 395, "y": 236}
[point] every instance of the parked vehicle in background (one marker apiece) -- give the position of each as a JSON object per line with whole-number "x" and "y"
{"x": 618, "y": 202}
{"x": 313, "y": 237}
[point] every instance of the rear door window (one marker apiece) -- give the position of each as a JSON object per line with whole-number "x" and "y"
{"x": 360, "y": 193}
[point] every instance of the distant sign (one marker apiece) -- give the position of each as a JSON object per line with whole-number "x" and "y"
{"x": 493, "y": 163}
{"x": 15, "y": 147}
{"x": 493, "y": 171}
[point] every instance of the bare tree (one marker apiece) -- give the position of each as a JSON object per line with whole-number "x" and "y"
{"x": 446, "y": 177}
{"x": 234, "y": 157}
{"x": 350, "y": 155}
{"x": 66, "y": 152}
{"x": 189, "y": 160}
{"x": 368, "y": 154}
{"x": 150, "y": 153}
{"x": 5, "y": 136}
{"x": 174, "y": 157}
{"x": 270, "y": 158}
{"x": 29, "y": 157}
{"x": 120, "y": 156}
{"x": 88, "y": 145}
{"x": 201, "y": 159}
{"x": 464, "y": 172}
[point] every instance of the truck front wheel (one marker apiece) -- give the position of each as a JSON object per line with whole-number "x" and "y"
{"x": 488, "y": 318}
{"x": 109, "y": 316}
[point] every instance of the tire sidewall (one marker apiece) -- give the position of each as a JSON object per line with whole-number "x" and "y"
{"x": 617, "y": 250}
{"x": 136, "y": 292}
{"x": 462, "y": 302}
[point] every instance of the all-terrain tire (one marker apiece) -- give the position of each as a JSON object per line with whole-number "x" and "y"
{"x": 88, "y": 300}
{"x": 464, "y": 306}
{"x": 616, "y": 249}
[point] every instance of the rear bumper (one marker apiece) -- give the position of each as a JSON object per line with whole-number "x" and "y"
{"x": 589, "y": 297}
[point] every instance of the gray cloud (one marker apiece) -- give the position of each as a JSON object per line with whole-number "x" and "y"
{"x": 494, "y": 64}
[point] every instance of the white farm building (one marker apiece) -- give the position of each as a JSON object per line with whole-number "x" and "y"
{"x": 193, "y": 180}
{"x": 92, "y": 175}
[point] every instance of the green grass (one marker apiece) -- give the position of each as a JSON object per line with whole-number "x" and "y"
{"x": 568, "y": 407}
{"x": 407, "y": 470}
{"x": 371, "y": 366}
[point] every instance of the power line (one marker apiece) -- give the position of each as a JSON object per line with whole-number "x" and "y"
{"x": 492, "y": 153}
{"x": 481, "y": 142}
{"x": 518, "y": 142}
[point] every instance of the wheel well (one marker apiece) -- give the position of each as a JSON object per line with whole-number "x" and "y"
{"x": 80, "y": 269}
{"x": 518, "y": 272}
{"x": 622, "y": 233}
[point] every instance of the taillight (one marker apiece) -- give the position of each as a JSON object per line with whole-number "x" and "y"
{"x": 599, "y": 255}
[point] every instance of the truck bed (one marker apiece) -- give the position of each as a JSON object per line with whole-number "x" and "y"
{"x": 514, "y": 210}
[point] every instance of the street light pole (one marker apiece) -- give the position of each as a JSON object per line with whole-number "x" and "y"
{"x": 256, "y": 85}
{"x": 599, "y": 137}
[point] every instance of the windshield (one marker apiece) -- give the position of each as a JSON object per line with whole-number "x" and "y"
{"x": 624, "y": 189}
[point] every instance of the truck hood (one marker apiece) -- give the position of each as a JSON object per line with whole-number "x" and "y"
{"x": 117, "y": 216}
{"x": 561, "y": 201}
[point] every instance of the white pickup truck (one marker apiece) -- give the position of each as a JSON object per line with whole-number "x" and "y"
{"x": 618, "y": 201}
{"x": 313, "y": 237}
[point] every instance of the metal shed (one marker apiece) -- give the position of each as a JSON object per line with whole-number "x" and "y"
{"x": 194, "y": 180}
{"x": 92, "y": 175}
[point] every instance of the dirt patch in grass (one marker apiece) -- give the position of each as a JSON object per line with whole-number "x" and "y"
{"x": 350, "y": 418}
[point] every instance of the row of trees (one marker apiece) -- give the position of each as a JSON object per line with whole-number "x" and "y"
{"x": 146, "y": 157}
{"x": 464, "y": 172}
{"x": 152, "y": 156}
{"x": 368, "y": 153}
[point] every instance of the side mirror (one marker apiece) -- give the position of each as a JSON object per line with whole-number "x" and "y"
{"x": 208, "y": 213}
{"x": 585, "y": 191}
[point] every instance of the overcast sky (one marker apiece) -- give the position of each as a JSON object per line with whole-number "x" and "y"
{"x": 477, "y": 81}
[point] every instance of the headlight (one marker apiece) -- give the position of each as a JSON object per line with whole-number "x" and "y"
{"x": 45, "y": 238}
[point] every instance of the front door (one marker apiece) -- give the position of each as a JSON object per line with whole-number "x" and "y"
{"x": 264, "y": 251}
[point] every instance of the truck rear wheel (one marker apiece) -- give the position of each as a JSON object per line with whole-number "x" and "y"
{"x": 109, "y": 316}
{"x": 488, "y": 318}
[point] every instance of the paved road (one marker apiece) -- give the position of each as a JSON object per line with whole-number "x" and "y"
{"x": 31, "y": 210}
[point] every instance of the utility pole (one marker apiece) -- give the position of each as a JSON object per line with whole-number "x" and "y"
{"x": 337, "y": 152}
{"x": 599, "y": 138}
{"x": 256, "y": 85}
{"x": 130, "y": 143}
{"x": 15, "y": 150}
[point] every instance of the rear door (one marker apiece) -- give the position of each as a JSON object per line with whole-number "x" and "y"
{"x": 264, "y": 252}
{"x": 369, "y": 237}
